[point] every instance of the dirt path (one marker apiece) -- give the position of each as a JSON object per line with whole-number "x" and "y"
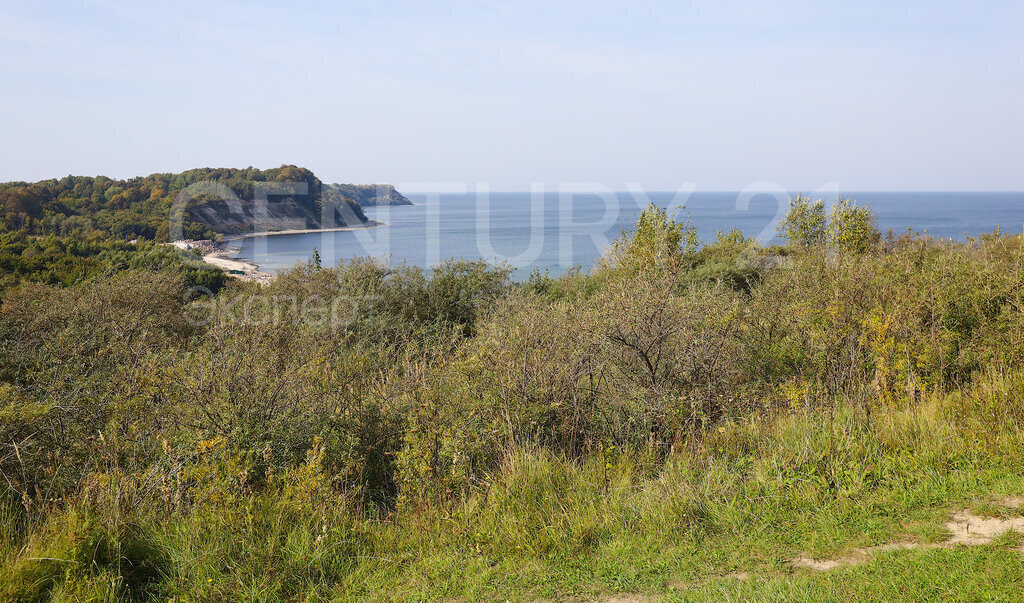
{"x": 965, "y": 528}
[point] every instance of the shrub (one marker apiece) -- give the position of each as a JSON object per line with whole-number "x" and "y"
{"x": 805, "y": 225}
{"x": 657, "y": 242}
{"x": 851, "y": 227}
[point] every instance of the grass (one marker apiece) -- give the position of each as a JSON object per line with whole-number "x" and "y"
{"x": 985, "y": 573}
{"x": 752, "y": 497}
{"x": 638, "y": 433}
{"x": 558, "y": 530}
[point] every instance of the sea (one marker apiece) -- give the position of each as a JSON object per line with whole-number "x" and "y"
{"x": 555, "y": 231}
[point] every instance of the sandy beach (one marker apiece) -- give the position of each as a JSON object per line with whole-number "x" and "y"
{"x": 219, "y": 254}
{"x": 368, "y": 224}
{"x": 250, "y": 271}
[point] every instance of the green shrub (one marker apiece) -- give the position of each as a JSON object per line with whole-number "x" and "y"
{"x": 365, "y": 424}
{"x": 851, "y": 227}
{"x": 657, "y": 242}
{"x": 806, "y": 224}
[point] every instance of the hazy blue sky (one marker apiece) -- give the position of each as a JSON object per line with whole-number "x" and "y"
{"x": 869, "y": 94}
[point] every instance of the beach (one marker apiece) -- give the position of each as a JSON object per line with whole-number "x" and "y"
{"x": 269, "y": 233}
{"x": 250, "y": 271}
{"x": 219, "y": 255}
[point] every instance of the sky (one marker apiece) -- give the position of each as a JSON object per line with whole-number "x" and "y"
{"x": 872, "y": 95}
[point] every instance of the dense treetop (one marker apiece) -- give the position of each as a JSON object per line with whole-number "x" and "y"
{"x": 139, "y": 208}
{"x": 370, "y": 194}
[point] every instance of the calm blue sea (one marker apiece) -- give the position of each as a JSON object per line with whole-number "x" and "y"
{"x": 554, "y": 231}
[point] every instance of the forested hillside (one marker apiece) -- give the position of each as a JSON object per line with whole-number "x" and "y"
{"x": 370, "y": 194}
{"x": 141, "y": 208}
{"x": 71, "y": 259}
{"x": 63, "y": 231}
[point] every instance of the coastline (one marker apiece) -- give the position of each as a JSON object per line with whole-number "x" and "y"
{"x": 270, "y": 233}
{"x": 250, "y": 271}
{"x": 219, "y": 254}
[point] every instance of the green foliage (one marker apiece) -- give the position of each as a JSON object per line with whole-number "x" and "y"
{"x": 369, "y": 194}
{"x": 848, "y": 227}
{"x": 731, "y": 260}
{"x": 657, "y": 242}
{"x": 805, "y": 225}
{"x": 852, "y": 227}
{"x": 69, "y": 260}
{"x": 78, "y": 556}
{"x": 376, "y": 431}
{"x": 459, "y": 290}
{"x": 140, "y": 208}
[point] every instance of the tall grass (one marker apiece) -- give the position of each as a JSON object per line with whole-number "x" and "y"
{"x": 673, "y": 416}
{"x": 750, "y": 495}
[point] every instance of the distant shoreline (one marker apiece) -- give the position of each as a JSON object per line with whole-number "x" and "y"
{"x": 221, "y": 255}
{"x": 249, "y": 270}
{"x": 270, "y": 233}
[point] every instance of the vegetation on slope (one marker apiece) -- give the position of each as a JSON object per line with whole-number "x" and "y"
{"x": 53, "y": 260}
{"x": 221, "y": 200}
{"x": 677, "y": 419}
{"x": 370, "y": 194}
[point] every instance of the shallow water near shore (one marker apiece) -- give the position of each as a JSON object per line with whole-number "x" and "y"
{"x": 554, "y": 231}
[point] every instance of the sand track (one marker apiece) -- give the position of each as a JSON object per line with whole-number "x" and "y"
{"x": 965, "y": 529}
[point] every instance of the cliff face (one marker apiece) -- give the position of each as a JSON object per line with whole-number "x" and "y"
{"x": 277, "y": 214}
{"x": 285, "y": 198}
{"x": 368, "y": 195}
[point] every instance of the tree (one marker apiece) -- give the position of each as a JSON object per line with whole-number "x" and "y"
{"x": 852, "y": 227}
{"x": 657, "y": 242}
{"x": 805, "y": 224}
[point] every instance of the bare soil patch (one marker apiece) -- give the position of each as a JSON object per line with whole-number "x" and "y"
{"x": 965, "y": 528}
